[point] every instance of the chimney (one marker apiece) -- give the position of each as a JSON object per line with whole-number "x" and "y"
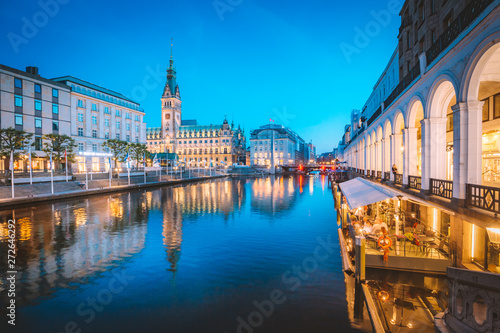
{"x": 32, "y": 70}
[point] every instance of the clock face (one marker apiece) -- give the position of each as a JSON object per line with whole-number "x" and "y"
{"x": 167, "y": 116}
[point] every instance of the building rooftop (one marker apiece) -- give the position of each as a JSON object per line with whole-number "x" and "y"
{"x": 189, "y": 122}
{"x": 33, "y": 76}
{"x": 69, "y": 78}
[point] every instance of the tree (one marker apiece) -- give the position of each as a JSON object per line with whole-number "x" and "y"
{"x": 10, "y": 141}
{"x": 57, "y": 145}
{"x": 137, "y": 152}
{"x": 117, "y": 147}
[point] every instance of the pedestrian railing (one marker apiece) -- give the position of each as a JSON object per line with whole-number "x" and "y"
{"x": 415, "y": 182}
{"x": 398, "y": 179}
{"x": 442, "y": 188}
{"x": 387, "y": 176}
{"x": 483, "y": 197}
{"x": 379, "y": 174}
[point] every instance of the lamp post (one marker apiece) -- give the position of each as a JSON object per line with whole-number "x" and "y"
{"x": 12, "y": 171}
{"x": 31, "y": 165}
{"x": 110, "y": 171}
{"x": 128, "y": 171}
{"x": 51, "y": 174}
{"x": 86, "y": 175}
{"x": 66, "y": 162}
{"x": 144, "y": 166}
{"x": 160, "y": 169}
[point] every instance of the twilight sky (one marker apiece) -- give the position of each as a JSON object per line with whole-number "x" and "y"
{"x": 296, "y": 62}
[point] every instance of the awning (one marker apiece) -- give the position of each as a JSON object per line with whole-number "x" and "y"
{"x": 361, "y": 192}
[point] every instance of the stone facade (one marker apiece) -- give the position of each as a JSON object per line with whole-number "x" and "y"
{"x": 199, "y": 145}
{"x": 474, "y": 303}
{"x": 422, "y": 23}
{"x": 217, "y": 144}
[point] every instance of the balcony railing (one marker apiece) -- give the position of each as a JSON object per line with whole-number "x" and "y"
{"x": 379, "y": 174}
{"x": 415, "y": 182}
{"x": 463, "y": 20}
{"x": 483, "y": 197}
{"x": 387, "y": 176}
{"x": 442, "y": 188}
{"x": 398, "y": 179}
{"x": 374, "y": 116}
{"x": 403, "y": 84}
{"x": 373, "y": 173}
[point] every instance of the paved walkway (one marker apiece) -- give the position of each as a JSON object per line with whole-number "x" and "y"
{"x": 44, "y": 189}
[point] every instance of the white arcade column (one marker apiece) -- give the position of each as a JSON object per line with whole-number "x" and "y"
{"x": 467, "y": 146}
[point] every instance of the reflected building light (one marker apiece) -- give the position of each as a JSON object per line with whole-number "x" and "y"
{"x": 80, "y": 216}
{"x": 434, "y": 218}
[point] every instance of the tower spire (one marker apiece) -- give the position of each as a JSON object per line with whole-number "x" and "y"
{"x": 171, "y": 85}
{"x": 171, "y": 68}
{"x": 171, "y": 48}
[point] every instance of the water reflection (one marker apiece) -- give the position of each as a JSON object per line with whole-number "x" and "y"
{"x": 274, "y": 195}
{"x": 214, "y": 239}
{"x": 407, "y": 302}
{"x": 61, "y": 244}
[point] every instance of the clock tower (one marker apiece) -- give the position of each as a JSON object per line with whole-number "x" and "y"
{"x": 171, "y": 111}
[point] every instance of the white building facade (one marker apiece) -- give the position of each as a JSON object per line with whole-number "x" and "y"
{"x": 99, "y": 114}
{"x": 288, "y": 147}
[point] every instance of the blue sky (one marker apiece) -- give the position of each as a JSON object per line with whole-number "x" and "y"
{"x": 248, "y": 59}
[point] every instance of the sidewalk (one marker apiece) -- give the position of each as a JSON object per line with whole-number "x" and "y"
{"x": 25, "y": 194}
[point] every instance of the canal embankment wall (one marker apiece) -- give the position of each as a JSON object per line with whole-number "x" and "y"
{"x": 44, "y": 198}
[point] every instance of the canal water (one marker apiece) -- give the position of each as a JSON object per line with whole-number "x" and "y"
{"x": 240, "y": 255}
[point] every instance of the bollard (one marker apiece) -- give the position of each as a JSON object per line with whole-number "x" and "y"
{"x": 344, "y": 218}
{"x": 336, "y": 195}
{"x": 360, "y": 243}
